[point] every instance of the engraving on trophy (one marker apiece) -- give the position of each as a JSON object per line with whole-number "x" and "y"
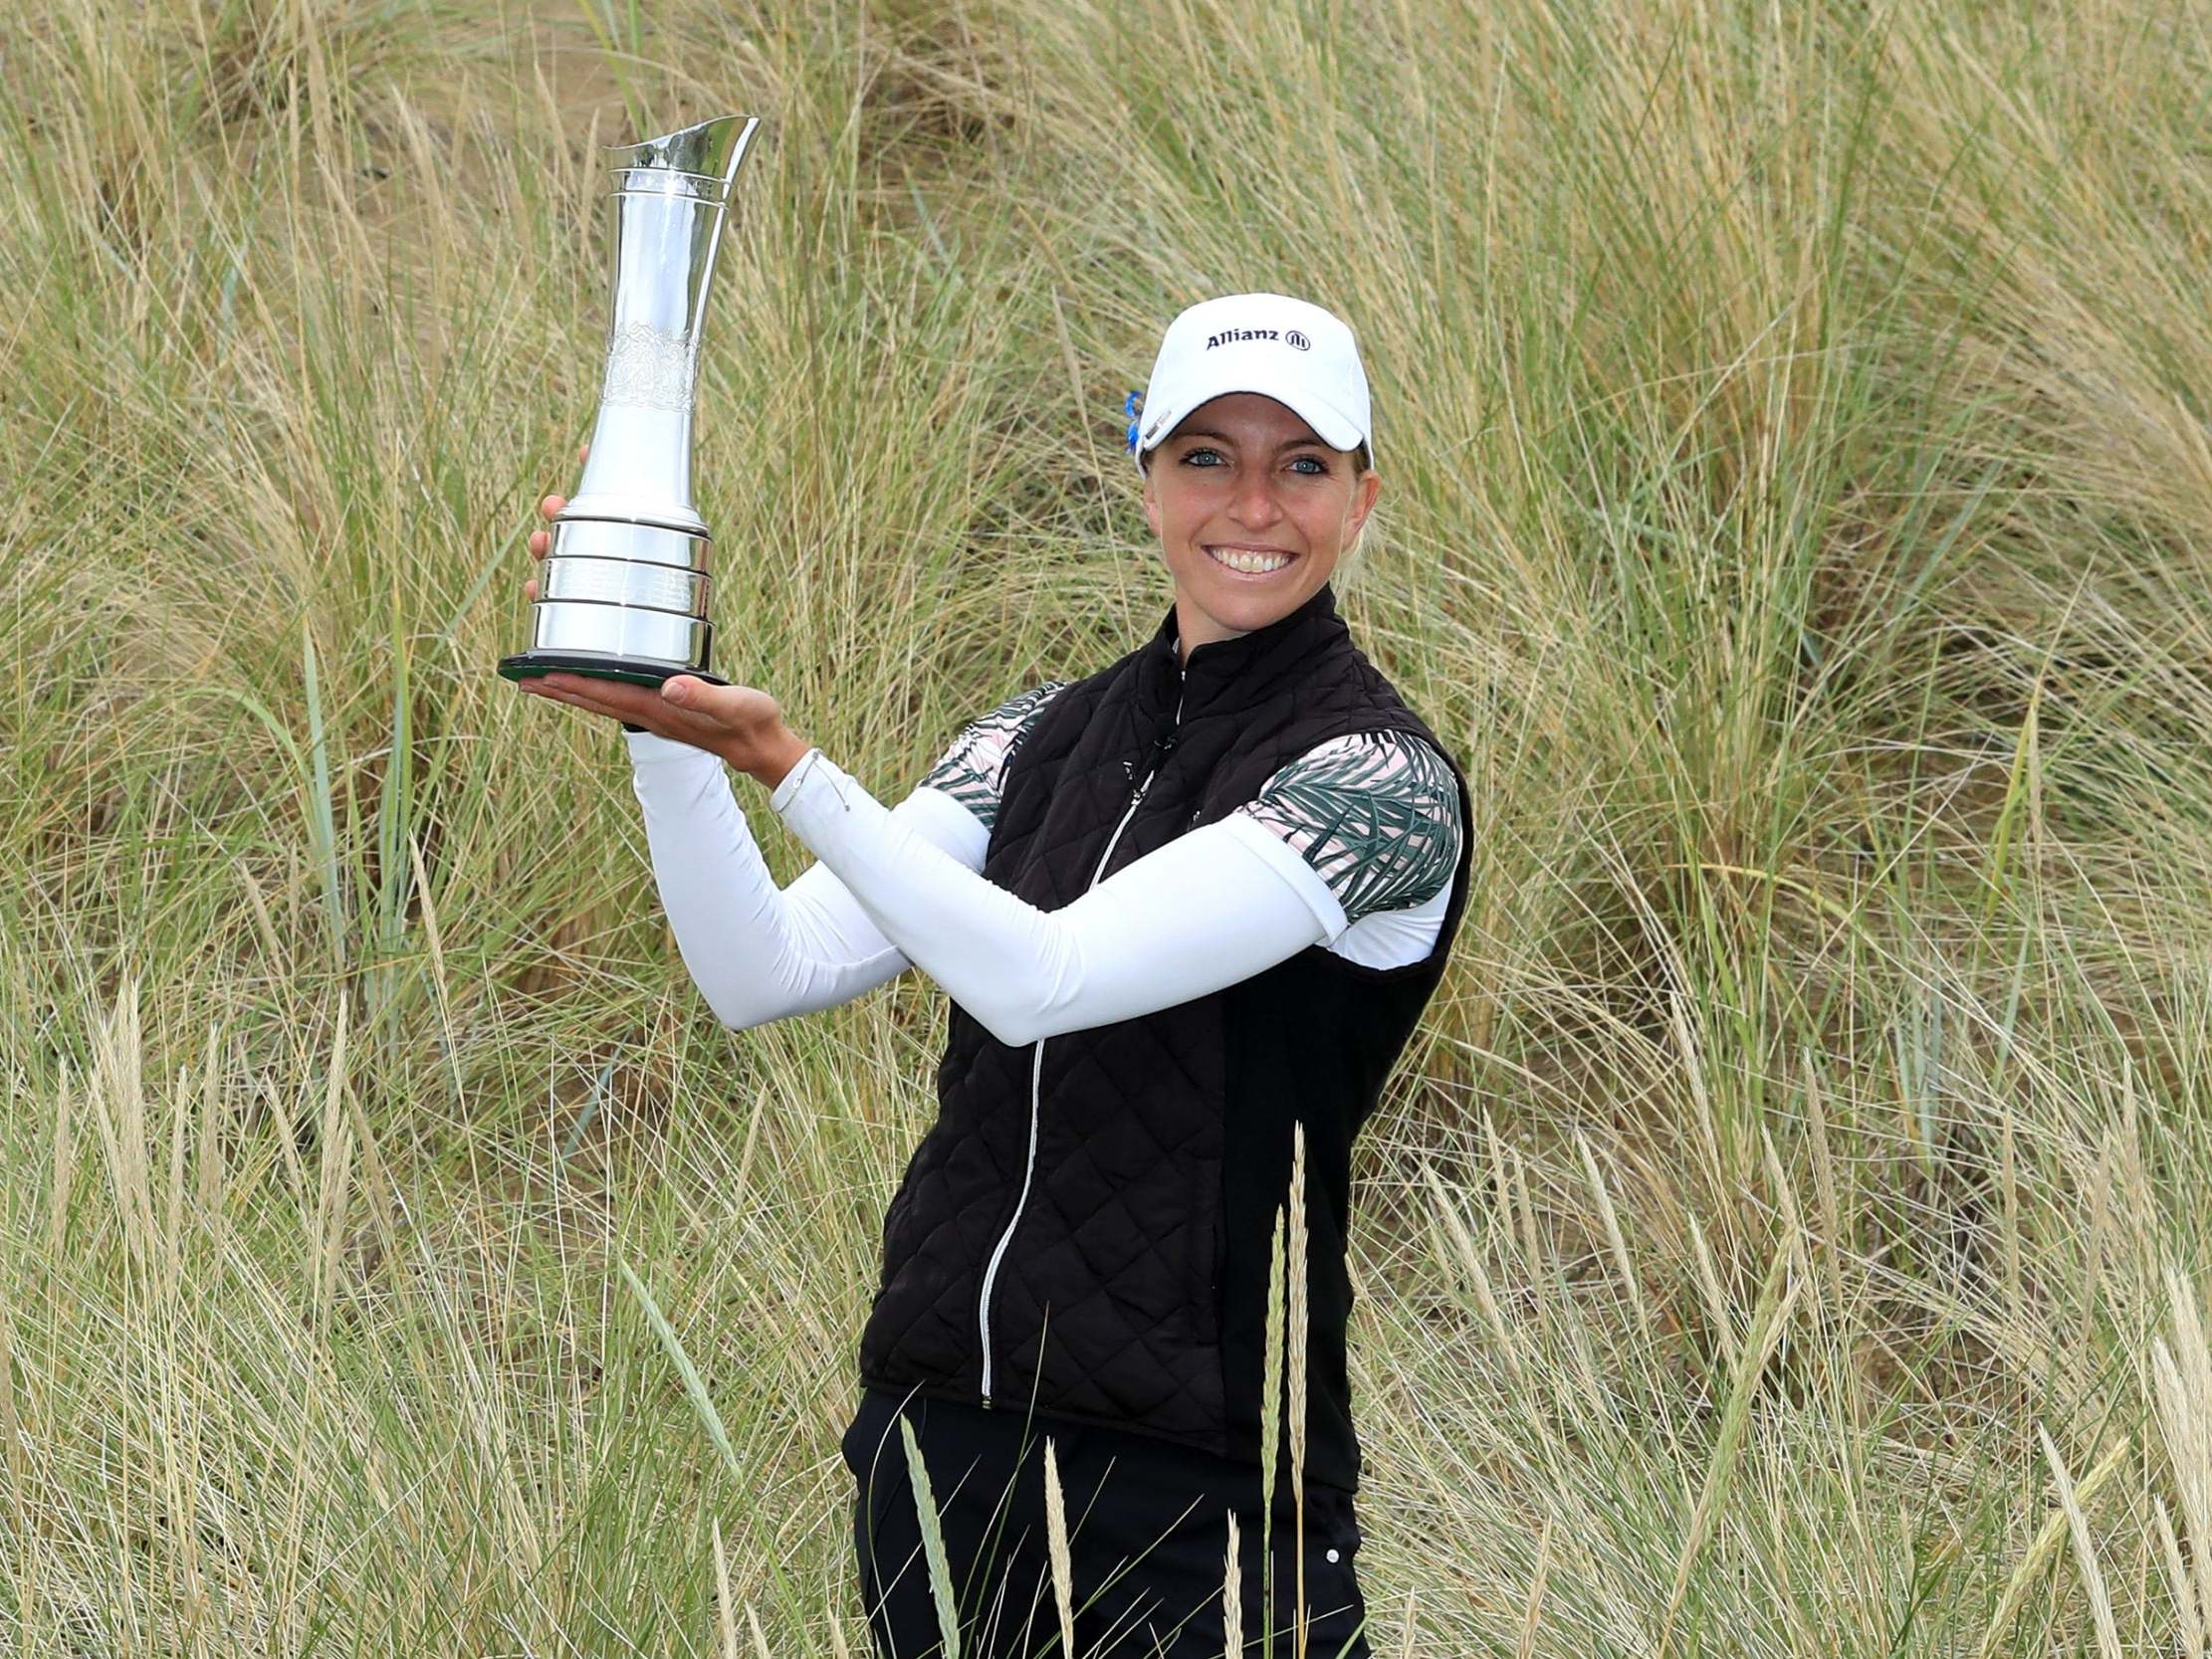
{"x": 650, "y": 369}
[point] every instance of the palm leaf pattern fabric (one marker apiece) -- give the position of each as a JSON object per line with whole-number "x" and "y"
{"x": 974, "y": 769}
{"x": 1375, "y": 814}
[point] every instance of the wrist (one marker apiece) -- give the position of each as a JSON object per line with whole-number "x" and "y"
{"x": 776, "y": 759}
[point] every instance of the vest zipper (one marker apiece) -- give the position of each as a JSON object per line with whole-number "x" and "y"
{"x": 1037, "y": 1067}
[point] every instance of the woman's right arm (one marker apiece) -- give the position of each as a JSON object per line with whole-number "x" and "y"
{"x": 757, "y": 953}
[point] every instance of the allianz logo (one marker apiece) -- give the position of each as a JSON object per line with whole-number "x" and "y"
{"x": 1294, "y": 338}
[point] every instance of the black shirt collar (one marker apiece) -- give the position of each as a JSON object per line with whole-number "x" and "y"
{"x": 1235, "y": 672}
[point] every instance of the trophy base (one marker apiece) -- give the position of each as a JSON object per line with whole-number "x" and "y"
{"x": 635, "y": 671}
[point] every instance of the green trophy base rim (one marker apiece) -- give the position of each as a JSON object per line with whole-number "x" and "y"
{"x": 528, "y": 665}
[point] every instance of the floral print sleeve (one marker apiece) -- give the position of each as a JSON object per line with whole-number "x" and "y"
{"x": 973, "y": 770}
{"x": 1375, "y": 814}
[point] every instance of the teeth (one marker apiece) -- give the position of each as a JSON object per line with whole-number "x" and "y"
{"x": 1236, "y": 558}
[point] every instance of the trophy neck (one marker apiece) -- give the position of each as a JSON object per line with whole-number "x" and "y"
{"x": 669, "y": 207}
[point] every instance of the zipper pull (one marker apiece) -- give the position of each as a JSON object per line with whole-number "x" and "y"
{"x": 1162, "y": 747}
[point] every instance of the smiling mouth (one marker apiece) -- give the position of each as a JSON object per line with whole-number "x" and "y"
{"x": 1248, "y": 562}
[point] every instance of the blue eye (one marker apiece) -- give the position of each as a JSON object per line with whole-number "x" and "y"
{"x": 1319, "y": 465}
{"x": 1191, "y": 459}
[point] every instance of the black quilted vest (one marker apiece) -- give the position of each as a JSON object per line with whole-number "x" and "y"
{"x": 1126, "y": 1250}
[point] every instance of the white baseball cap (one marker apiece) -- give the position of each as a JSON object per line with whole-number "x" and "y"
{"x": 1288, "y": 350}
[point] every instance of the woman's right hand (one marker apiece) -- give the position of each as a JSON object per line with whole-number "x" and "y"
{"x": 548, "y": 510}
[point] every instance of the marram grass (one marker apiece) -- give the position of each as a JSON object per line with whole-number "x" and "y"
{"x": 1785, "y": 1234}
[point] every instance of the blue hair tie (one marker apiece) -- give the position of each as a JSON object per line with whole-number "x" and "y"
{"x": 1132, "y": 406}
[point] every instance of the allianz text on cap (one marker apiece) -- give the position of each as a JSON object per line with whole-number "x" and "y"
{"x": 1288, "y": 350}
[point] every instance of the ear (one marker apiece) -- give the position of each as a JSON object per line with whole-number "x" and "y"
{"x": 1364, "y": 491}
{"x": 1151, "y": 500}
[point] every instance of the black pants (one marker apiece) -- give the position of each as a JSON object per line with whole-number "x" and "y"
{"x": 1148, "y": 1540}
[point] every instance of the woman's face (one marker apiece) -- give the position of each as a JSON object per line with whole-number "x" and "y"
{"x": 1246, "y": 478}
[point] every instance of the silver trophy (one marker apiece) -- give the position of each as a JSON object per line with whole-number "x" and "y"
{"x": 623, "y": 591}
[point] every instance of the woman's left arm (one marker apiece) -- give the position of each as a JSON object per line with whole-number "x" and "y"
{"x": 1209, "y": 909}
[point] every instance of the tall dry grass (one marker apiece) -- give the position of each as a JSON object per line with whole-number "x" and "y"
{"x": 1785, "y": 1234}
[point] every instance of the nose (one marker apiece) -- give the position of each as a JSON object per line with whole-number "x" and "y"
{"x": 1254, "y": 506}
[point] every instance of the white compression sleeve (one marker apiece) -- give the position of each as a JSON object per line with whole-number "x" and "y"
{"x": 1206, "y": 910}
{"x": 757, "y": 953}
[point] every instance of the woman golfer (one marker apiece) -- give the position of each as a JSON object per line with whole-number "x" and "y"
{"x": 1179, "y": 906}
